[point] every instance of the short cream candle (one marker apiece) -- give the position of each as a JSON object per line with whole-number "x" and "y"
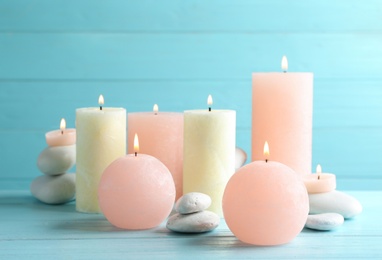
{"x": 101, "y": 138}
{"x": 209, "y": 152}
{"x": 319, "y": 182}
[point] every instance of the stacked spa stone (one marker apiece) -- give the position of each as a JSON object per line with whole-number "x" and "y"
{"x": 56, "y": 186}
{"x": 328, "y": 210}
{"x": 192, "y": 216}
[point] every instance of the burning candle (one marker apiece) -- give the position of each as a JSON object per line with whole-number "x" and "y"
{"x": 209, "y": 152}
{"x": 61, "y": 137}
{"x": 319, "y": 182}
{"x": 136, "y": 191}
{"x": 265, "y": 203}
{"x": 161, "y": 136}
{"x": 101, "y": 138}
{"x": 282, "y": 107}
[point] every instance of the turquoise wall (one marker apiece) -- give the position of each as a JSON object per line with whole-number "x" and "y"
{"x": 58, "y": 55}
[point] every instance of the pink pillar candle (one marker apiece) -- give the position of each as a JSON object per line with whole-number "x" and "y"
{"x": 161, "y": 136}
{"x": 282, "y": 107}
{"x": 62, "y": 137}
{"x": 319, "y": 182}
{"x": 265, "y": 203}
{"x": 136, "y": 192}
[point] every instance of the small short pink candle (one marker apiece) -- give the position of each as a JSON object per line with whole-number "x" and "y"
{"x": 161, "y": 136}
{"x": 319, "y": 182}
{"x": 265, "y": 203}
{"x": 61, "y": 137}
{"x": 136, "y": 191}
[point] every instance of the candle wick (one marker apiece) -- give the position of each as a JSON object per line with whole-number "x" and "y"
{"x": 155, "y": 113}
{"x": 285, "y": 71}
{"x": 62, "y": 132}
{"x": 319, "y": 177}
{"x": 209, "y": 109}
{"x": 266, "y": 160}
{"x": 100, "y": 107}
{"x": 136, "y": 154}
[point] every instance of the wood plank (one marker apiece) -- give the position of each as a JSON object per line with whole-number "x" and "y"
{"x": 39, "y": 105}
{"x": 60, "y": 232}
{"x": 191, "y": 16}
{"x": 123, "y": 56}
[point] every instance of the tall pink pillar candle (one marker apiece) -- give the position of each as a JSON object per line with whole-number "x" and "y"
{"x": 282, "y": 107}
{"x": 161, "y": 136}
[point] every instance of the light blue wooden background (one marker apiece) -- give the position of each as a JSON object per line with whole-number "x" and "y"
{"x": 58, "y": 55}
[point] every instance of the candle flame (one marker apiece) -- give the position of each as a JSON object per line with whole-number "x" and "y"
{"x": 62, "y": 125}
{"x": 318, "y": 171}
{"x": 209, "y": 100}
{"x": 101, "y": 100}
{"x": 284, "y": 64}
{"x": 155, "y": 108}
{"x": 136, "y": 144}
{"x": 266, "y": 151}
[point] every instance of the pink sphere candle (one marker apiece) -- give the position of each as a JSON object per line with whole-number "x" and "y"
{"x": 61, "y": 137}
{"x": 160, "y": 135}
{"x": 265, "y": 203}
{"x": 319, "y": 182}
{"x": 136, "y": 192}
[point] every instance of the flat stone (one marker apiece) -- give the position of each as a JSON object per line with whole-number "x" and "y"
{"x": 240, "y": 157}
{"x": 57, "y": 160}
{"x": 192, "y": 202}
{"x": 325, "y": 221}
{"x": 334, "y": 202}
{"x": 54, "y": 189}
{"x": 199, "y": 222}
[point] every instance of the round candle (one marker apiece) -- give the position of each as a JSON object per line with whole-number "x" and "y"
{"x": 136, "y": 192}
{"x": 209, "y": 152}
{"x": 282, "y": 107}
{"x": 265, "y": 203}
{"x": 161, "y": 135}
{"x": 101, "y": 138}
{"x": 319, "y": 182}
{"x": 61, "y": 137}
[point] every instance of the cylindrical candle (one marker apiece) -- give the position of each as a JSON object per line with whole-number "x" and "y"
{"x": 101, "y": 138}
{"x": 61, "y": 137}
{"x": 319, "y": 182}
{"x": 209, "y": 153}
{"x": 160, "y": 135}
{"x": 282, "y": 107}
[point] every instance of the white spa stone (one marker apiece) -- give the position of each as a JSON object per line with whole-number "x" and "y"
{"x": 54, "y": 189}
{"x": 325, "y": 221}
{"x": 57, "y": 160}
{"x": 199, "y": 222}
{"x": 334, "y": 202}
{"x": 240, "y": 157}
{"x": 192, "y": 202}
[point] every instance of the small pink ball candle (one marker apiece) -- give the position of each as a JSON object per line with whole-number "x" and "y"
{"x": 319, "y": 182}
{"x": 61, "y": 137}
{"x": 136, "y": 192}
{"x": 265, "y": 203}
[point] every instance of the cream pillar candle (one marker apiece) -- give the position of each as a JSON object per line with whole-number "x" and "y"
{"x": 282, "y": 107}
{"x": 161, "y": 136}
{"x": 209, "y": 153}
{"x": 101, "y": 138}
